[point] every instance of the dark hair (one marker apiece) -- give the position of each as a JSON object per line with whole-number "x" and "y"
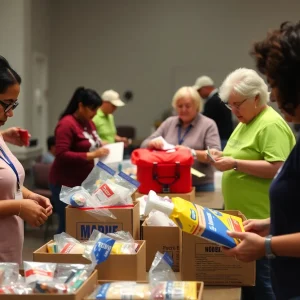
{"x": 278, "y": 57}
{"x": 87, "y": 97}
{"x": 8, "y": 76}
{"x": 50, "y": 142}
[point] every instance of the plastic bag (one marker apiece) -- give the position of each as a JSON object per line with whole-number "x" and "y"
{"x": 157, "y": 218}
{"x": 9, "y": 273}
{"x": 124, "y": 244}
{"x": 98, "y": 247}
{"x": 117, "y": 191}
{"x": 121, "y": 290}
{"x": 161, "y": 269}
{"x": 36, "y": 271}
{"x": 175, "y": 290}
{"x": 67, "y": 244}
{"x": 80, "y": 198}
{"x": 100, "y": 174}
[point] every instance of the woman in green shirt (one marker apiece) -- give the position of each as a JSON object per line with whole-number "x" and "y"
{"x": 255, "y": 151}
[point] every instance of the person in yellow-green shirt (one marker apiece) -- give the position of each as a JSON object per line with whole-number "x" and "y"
{"x": 104, "y": 119}
{"x": 255, "y": 152}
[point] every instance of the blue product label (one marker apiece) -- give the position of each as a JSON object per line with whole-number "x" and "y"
{"x": 106, "y": 168}
{"x": 129, "y": 179}
{"x": 102, "y": 249}
{"x": 101, "y": 294}
{"x": 216, "y": 230}
{"x": 85, "y": 230}
{"x": 167, "y": 258}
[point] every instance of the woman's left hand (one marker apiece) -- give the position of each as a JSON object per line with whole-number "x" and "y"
{"x": 42, "y": 201}
{"x": 224, "y": 163}
{"x": 251, "y": 247}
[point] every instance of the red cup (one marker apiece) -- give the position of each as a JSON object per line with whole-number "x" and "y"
{"x": 24, "y": 136}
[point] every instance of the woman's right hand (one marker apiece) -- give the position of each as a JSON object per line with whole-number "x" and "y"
{"x": 155, "y": 144}
{"x": 100, "y": 152}
{"x": 214, "y": 153}
{"x": 260, "y": 227}
{"x": 33, "y": 213}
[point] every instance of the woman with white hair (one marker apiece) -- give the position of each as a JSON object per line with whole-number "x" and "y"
{"x": 189, "y": 129}
{"x": 254, "y": 153}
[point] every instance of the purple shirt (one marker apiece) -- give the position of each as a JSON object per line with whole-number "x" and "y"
{"x": 203, "y": 133}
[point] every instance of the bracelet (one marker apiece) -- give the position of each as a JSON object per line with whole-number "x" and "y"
{"x": 20, "y": 210}
{"x": 235, "y": 166}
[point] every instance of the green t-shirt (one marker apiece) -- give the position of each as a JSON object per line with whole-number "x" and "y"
{"x": 267, "y": 137}
{"x": 105, "y": 126}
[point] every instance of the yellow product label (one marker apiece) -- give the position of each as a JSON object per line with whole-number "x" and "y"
{"x": 186, "y": 216}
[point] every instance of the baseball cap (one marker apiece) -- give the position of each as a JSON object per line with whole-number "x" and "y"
{"x": 113, "y": 97}
{"x": 203, "y": 81}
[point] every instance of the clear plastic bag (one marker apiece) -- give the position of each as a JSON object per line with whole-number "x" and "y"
{"x": 100, "y": 174}
{"x": 80, "y": 198}
{"x": 98, "y": 247}
{"x": 124, "y": 244}
{"x": 9, "y": 273}
{"x": 121, "y": 290}
{"x": 67, "y": 244}
{"x": 37, "y": 271}
{"x": 161, "y": 269}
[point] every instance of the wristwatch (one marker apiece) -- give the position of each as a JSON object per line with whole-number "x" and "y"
{"x": 235, "y": 166}
{"x": 268, "y": 248}
{"x": 193, "y": 151}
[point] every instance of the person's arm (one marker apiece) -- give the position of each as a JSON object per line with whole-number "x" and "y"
{"x": 10, "y": 207}
{"x": 286, "y": 245}
{"x": 159, "y": 132}
{"x": 212, "y": 139}
{"x": 258, "y": 168}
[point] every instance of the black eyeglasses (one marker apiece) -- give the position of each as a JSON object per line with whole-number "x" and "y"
{"x": 236, "y": 105}
{"x": 8, "y": 107}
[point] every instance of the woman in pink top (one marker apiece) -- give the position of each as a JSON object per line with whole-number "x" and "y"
{"x": 16, "y": 202}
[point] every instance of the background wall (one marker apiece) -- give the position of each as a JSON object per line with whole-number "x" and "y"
{"x": 152, "y": 47}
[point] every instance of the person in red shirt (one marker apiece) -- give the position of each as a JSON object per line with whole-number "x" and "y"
{"x": 77, "y": 145}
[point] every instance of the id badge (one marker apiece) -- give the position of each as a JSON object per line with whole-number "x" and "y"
{"x": 18, "y": 195}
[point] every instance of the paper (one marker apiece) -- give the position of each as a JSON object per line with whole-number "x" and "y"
{"x": 209, "y": 155}
{"x": 197, "y": 173}
{"x": 116, "y": 151}
{"x": 166, "y": 145}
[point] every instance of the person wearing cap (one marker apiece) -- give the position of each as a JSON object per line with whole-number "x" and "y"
{"x": 214, "y": 108}
{"x": 104, "y": 119}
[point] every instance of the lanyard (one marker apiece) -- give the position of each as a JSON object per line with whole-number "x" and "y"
{"x": 9, "y": 162}
{"x": 181, "y": 139}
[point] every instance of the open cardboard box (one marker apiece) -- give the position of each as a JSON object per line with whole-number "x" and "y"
{"x": 116, "y": 267}
{"x": 200, "y": 287}
{"x": 80, "y": 224}
{"x": 84, "y": 291}
{"x": 162, "y": 239}
{"x": 203, "y": 260}
{"x": 186, "y": 196}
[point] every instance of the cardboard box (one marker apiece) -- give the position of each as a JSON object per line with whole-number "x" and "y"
{"x": 84, "y": 291}
{"x": 162, "y": 239}
{"x": 221, "y": 293}
{"x": 200, "y": 288}
{"x": 203, "y": 260}
{"x": 187, "y": 196}
{"x": 80, "y": 224}
{"x": 116, "y": 267}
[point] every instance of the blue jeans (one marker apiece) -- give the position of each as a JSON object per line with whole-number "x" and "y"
{"x": 263, "y": 286}
{"x": 207, "y": 187}
{"x": 59, "y": 207}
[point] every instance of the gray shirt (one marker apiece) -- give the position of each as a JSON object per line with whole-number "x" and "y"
{"x": 203, "y": 133}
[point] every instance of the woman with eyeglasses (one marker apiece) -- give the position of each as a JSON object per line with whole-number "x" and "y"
{"x": 255, "y": 151}
{"x": 77, "y": 145}
{"x": 17, "y": 202}
{"x": 278, "y": 237}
